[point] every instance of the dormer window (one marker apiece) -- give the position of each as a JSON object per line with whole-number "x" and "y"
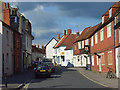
{"x": 102, "y": 19}
{"x": 110, "y": 12}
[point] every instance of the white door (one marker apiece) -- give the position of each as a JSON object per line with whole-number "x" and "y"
{"x": 119, "y": 62}
{"x": 99, "y": 64}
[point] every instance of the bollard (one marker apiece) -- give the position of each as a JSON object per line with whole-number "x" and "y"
{"x": 6, "y": 80}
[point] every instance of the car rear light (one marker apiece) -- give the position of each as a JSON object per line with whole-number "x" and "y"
{"x": 35, "y": 70}
{"x": 49, "y": 70}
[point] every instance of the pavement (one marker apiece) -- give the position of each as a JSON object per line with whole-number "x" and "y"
{"x": 99, "y": 78}
{"x": 18, "y": 80}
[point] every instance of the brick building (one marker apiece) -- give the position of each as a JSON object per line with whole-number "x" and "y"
{"x": 81, "y": 50}
{"x": 16, "y": 38}
{"x": 102, "y": 42}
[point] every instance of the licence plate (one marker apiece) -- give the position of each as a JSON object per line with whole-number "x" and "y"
{"x": 42, "y": 70}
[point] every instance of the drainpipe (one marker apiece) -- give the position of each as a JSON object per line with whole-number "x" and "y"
{"x": 114, "y": 50}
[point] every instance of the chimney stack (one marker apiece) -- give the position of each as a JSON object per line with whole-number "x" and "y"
{"x": 64, "y": 32}
{"x": 42, "y": 46}
{"x": 58, "y": 36}
{"x": 6, "y": 14}
{"x": 68, "y": 31}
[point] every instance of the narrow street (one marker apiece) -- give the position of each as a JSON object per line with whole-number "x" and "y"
{"x": 63, "y": 78}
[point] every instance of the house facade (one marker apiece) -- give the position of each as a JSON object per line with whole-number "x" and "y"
{"x": 7, "y": 49}
{"x": 117, "y": 42}
{"x": 64, "y": 50}
{"x": 38, "y": 53}
{"x": 50, "y": 50}
{"x": 102, "y": 43}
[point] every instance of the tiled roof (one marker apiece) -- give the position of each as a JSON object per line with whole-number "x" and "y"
{"x": 87, "y": 32}
{"x": 38, "y": 50}
{"x": 67, "y": 41}
{"x": 60, "y": 41}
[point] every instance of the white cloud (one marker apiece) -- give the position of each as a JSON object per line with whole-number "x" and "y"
{"x": 40, "y": 7}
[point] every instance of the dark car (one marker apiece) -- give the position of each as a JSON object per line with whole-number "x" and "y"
{"x": 51, "y": 65}
{"x": 42, "y": 71}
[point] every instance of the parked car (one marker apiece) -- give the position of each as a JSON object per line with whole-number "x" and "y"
{"x": 51, "y": 65}
{"x": 42, "y": 70}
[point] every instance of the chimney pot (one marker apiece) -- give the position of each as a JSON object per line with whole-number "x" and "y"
{"x": 58, "y": 36}
{"x": 4, "y": 5}
{"x": 7, "y": 5}
{"x": 38, "y": 45}
{"x": 77, "y": 33}
{"x": 42, "y": 46}
{"x": 64, "y": 32}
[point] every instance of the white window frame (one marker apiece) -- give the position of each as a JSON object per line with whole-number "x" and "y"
{"x": 104, "y": 57}
{"x": 102, "y": 34}
{"x": 96, "y": 38}
{"x": 86, "y": 42}
{"x": 92, "y": 60}
{"x": 109, "y": 30}
{"x": 110, "y": 12}
{"x": 82, "y": 44}
{"x": 75, "y": 47}
{"x": 92, "y": 41}
{"x": 79, "y": 44}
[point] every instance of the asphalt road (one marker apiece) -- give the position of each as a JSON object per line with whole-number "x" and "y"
{"x": 63, "y": 78}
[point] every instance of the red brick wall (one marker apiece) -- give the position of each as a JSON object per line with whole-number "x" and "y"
{"x": 117, "y": 37}
{"x": 104, "y": 46}
{"x": 75, "y": 52}
{"x": 17, "y": 52}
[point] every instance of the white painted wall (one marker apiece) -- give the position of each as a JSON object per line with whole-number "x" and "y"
{"x": 0, "y": 52}
{"x": 8, "y": 48}
{"x": 117, "y": 50}
{"x": 50, "y": 49}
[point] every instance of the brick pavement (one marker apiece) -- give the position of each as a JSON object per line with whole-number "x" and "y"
{"x": 99, "y": 77}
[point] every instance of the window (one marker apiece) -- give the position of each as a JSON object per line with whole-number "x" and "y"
{"x": 82, "y": 44}
{"x": 102, "y": 59}
{"x": 110, "y": 12}
{"x": 96, "y": 39}
{"x": 75, "y": 47}
{"x": 78, "y": 59}
{"x": 109, "y": 30}
{"x": 102, "y": 19}
{"x": 86, "y": 42}
{"x": 7, "y": 37}
{"x": 110, "y": 58}
{"x": 97, "y": 60}
{"x": 63, "y": 58}
{"x": 92, "y": 60}
{"x": 17, "y": 42}
{"x": 79, "y": 45}
{"x": 92, "y": 41}
{"x": 101, "y": 35}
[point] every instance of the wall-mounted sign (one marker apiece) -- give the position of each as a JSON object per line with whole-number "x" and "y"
{"x": 62, "y": 53}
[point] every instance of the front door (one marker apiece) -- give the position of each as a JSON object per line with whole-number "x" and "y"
{"x": 119, "y": 62}
{"x": 99, "y": 64}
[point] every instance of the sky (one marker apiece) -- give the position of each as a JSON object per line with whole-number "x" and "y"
{"x": 49, "y": 19}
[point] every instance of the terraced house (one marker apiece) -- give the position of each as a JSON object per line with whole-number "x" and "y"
{"x": 103, "y": 42}
{"x": 64, "y": 49}
{"x": 81, "y": 48}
